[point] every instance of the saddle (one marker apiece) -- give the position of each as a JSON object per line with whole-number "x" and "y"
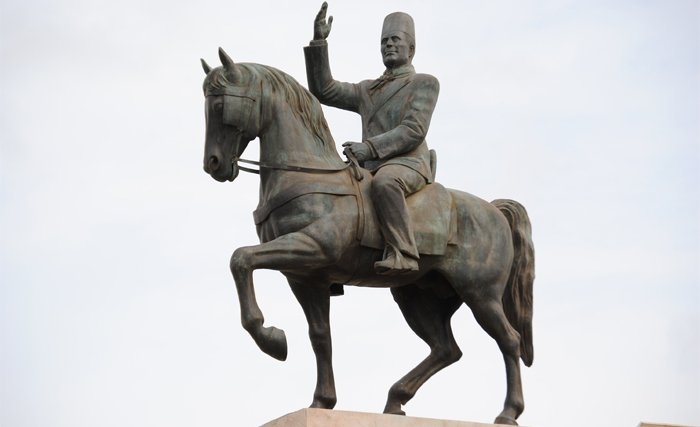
{"x": 432, "y": 221}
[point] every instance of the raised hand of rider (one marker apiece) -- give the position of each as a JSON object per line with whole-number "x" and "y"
{"x": 322, "y": 28}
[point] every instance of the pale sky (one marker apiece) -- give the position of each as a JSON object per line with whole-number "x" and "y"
{"x": 117, "y": 307}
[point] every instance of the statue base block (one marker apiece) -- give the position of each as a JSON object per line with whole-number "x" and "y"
{"x": 332, "y": 418}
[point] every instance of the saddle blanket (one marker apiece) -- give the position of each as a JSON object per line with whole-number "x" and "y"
{"x": 430, "y": 209}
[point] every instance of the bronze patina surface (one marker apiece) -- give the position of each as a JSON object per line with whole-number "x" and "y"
{"x": 325, "y": 222}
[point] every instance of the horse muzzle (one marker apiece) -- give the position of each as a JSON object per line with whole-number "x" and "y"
{"x": 219, "y": 170}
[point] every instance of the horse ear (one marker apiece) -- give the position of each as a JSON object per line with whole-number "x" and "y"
{"x": 230, "y": 67}
{"x": 226, "y": 60}
{"x": 206, "y": 66}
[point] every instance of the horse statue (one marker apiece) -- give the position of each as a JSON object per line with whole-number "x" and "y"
{"x": 316, "y": 226}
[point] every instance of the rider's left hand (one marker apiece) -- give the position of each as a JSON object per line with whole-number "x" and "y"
{"x": 361, "y": 150}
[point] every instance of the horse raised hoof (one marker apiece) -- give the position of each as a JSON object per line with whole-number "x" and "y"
{"x": 272, "y": 341}
{"x": 505, "y": 420}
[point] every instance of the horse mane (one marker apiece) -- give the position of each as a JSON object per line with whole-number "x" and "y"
{"x": 216, "y": 80}
{"x": 303, "y": 104}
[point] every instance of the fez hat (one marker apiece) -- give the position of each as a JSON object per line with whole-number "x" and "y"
{"x": 399, "y": 21}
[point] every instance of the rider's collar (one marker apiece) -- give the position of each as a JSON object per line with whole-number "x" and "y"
{"x": 399, "y": 71}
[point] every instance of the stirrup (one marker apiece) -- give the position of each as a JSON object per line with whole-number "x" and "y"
{"x": 395, "y": 262}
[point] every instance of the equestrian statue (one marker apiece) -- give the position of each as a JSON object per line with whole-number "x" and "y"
{"x": 377, "y": 219}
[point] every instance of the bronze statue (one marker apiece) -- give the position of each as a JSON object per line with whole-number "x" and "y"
{"x": 395, "y": 110}
{"x": 471, "y": 251}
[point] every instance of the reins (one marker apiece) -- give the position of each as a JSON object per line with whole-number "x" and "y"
{"x": 352, "y": 162}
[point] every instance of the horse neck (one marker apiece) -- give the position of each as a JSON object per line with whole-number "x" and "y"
{"x": 285, "y": 140}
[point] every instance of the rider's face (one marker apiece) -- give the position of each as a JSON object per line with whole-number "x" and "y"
{"x": 396, "y": 49}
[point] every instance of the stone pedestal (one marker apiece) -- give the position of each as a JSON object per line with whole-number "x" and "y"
{"x": 327, "y": 418}
{"x": 659, "y": 425}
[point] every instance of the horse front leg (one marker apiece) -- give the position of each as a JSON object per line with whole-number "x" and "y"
{"x": 315, "y": 301}
{"x": 288, "y": 252}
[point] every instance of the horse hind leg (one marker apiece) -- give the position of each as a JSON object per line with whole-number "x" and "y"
{"x": 488, "y": 312}
{"x": 315, "y": 301}
{"x": 429, "y": 317}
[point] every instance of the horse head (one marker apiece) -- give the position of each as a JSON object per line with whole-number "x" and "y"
{"x": 232, "y": 112}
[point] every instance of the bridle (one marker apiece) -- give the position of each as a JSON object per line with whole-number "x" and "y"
{"x": 254, "y": 98}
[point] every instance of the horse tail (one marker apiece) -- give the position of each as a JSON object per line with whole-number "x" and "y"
{"x": 517, "y": 298}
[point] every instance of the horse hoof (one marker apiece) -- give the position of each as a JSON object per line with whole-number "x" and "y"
{"x": 274, "y": 343}
{"x": 505, "y": 420}
{"x": 393, "y": 410}
{"x": 324, "y": 402}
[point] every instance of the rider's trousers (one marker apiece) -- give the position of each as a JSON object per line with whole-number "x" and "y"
{"x": 391, "y": 185}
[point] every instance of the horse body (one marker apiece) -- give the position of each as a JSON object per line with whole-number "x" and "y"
{"x": 307, "y": 221}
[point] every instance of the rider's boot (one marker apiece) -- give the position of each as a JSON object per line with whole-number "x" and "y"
{"x": 395, "y": 262}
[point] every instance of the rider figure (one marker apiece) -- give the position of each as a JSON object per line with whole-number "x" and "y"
{"x": 395, "y": 110}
